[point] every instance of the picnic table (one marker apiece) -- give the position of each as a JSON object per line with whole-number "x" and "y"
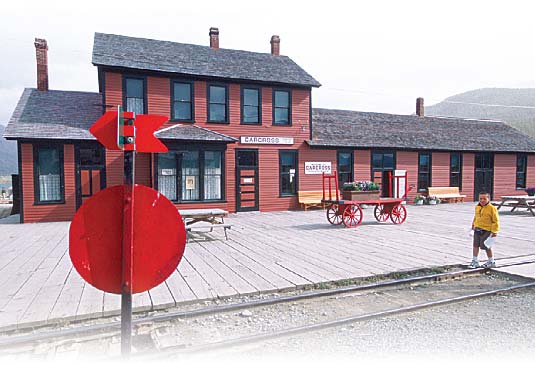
{"x": 214, "y": 217}
{"x": 518, "y": 201}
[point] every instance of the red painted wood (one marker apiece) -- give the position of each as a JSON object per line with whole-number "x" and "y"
{"x": 468, "y": 176}
{"x": 505, "y": 175}
{"x": 306, "y": 154}
{"x": 47, "y": 212}
{"x": 362, "y": 166}
{"x": 440, "y": 173}
{"x": 530, "y": 173}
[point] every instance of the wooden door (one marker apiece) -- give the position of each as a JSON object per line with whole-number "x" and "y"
{"x": 246, "y": 180}
{"x": 90, "y": 172}
{"x": 484, "y": 174}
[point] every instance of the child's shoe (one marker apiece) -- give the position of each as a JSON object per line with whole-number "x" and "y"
{"x": 489, "y": 264}
{"x": 474, "y": 264}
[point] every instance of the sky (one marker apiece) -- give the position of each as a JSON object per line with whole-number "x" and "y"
{"x": 376, "y": 56}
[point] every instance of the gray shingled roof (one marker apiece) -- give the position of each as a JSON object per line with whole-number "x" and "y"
{"x": 343, "y": 128}
{"x": 67, "y": 115}
{"x": 186, "y": 132}
{"x": 188, "y": 59}
{"x": 54, "y": 114}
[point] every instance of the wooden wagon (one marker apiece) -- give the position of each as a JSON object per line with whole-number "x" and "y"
{"x": 349, "y": 212}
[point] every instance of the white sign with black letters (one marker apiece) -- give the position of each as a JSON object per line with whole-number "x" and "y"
{"x": 266, "y": 140}
{"x": 316, "y": 168}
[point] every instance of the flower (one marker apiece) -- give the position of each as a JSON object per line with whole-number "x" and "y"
{"x": 361, "y": 186}
{"x": 433, "y": 198}
{"x": 418, "y": 198}
{"x": 530, "y": 191}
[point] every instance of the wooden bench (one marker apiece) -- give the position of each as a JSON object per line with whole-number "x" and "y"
{"x": 448, "y": 193}
{"x": 313, "y": 198}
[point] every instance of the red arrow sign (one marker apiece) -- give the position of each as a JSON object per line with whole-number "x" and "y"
{"x": 105, "y": 130}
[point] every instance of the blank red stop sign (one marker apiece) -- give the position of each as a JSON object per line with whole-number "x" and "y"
{"x": 96, "y": 235}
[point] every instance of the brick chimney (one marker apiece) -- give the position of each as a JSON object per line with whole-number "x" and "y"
{"x": 214, "y": 37}
{"x": 41, "y": 53}
{"x": 420, "y": 107}
{"x": 275, "y": 45}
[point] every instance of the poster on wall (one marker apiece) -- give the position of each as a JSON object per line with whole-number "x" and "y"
{"x": 190, "y": 182}
{"x": 316, "y": 168}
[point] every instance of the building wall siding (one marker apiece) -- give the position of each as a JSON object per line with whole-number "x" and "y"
{"x": 504, "y": 175}
{"x": 468, "y": 176}
{"x": 306, "y": 154}
{"x": 362, "y": 164}
{"x": 440, "y": 173}
{"x": 408, "y": 161}
{"x": 49, "y": 212}
{"x": 530, "y": 173}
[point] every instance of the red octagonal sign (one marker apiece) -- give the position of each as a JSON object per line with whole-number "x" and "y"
{"x": 96, "y": 234}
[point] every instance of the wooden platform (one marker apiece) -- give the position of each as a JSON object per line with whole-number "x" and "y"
{"x": 265, "y": 252}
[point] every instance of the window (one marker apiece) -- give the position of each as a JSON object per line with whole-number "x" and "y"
{"x": 345, "y": 167}
{"x": 424, "y": 171}
{"x": 217, "y": 104}
{"x": 48, "y": 174}
{"x": 212, "y": 175}
{"x": 191, "y": 175}
{"x": 521, "y": 167}
{"x": 182, "y": 101}
{"x": 250, "y": 105}
{"x": 288, "y": 172}
{"x": 134, "y": 95}
{"x": 281, "y": 107}
{"x": 456, "y": 168}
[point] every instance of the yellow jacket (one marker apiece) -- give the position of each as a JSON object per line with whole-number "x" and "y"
{"x": 486, "y": 218}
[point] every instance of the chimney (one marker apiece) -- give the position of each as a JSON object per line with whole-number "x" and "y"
{"x": 275, "y": 45}
{"x": 420, "y": 107}
{"x": 41, "y": 53}
{"x": 214, "y": 37}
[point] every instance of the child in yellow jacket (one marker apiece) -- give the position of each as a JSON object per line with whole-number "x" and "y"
{"x": 486, "y": 224}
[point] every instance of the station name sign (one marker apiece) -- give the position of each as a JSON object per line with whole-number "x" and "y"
{"x": 316, "y": 168}
{"x": 266, "y": 140}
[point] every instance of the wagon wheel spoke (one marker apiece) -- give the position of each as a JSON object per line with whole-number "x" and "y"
{"x": 380, "y": 213}
{"x": 333, "y": 214}
{"x": 398, "y": 214}
{"x": 352, "y": 216}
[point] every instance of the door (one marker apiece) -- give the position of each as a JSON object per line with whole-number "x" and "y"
{"x": 383, "y": 162}
{"x": 484, "y": 174}
{"x": 90, "y": 172}
{"x": 246, "y": 180}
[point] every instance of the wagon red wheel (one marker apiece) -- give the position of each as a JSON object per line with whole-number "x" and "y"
{"x": 352, "y": 216}
{"x": 333, "y": 215}
{"x": 398, "y": 214}
{"x": 380, "y": 213}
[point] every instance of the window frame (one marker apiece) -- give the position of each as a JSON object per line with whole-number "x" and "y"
{"x": 177, "y": 150}
{"x": 296, "y": 161}
{"x": 352, "y": 167}
{"x": 227, "y": 117}
{"x": 242, "y": 104}
{"x": 36, "y": 189}
{"x": 274, "y": 107}
{"x": 460, "y": 172}
{"x": 430, "y": 167}
{"x": 524, "y": 156}
{"x": 172, "y": 100}
{"x": 125, "y": 97}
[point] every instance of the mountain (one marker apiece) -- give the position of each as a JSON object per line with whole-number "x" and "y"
{"x": 8, "y": 155}
{"x": 516, "y": 107}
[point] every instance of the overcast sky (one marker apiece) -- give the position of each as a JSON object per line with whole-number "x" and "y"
{"x": 368, "y": 55}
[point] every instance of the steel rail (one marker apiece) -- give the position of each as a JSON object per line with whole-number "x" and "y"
{"x": 22, "y": 339}
{"x": 245, "y": 340}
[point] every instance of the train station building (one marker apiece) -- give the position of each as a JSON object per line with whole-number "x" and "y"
{"x": 242, "y": 134}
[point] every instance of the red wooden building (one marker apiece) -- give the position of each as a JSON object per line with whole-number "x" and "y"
{"x": 242, "y": 134}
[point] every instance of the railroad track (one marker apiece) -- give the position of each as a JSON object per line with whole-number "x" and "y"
{"x": 161, "y": 321}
